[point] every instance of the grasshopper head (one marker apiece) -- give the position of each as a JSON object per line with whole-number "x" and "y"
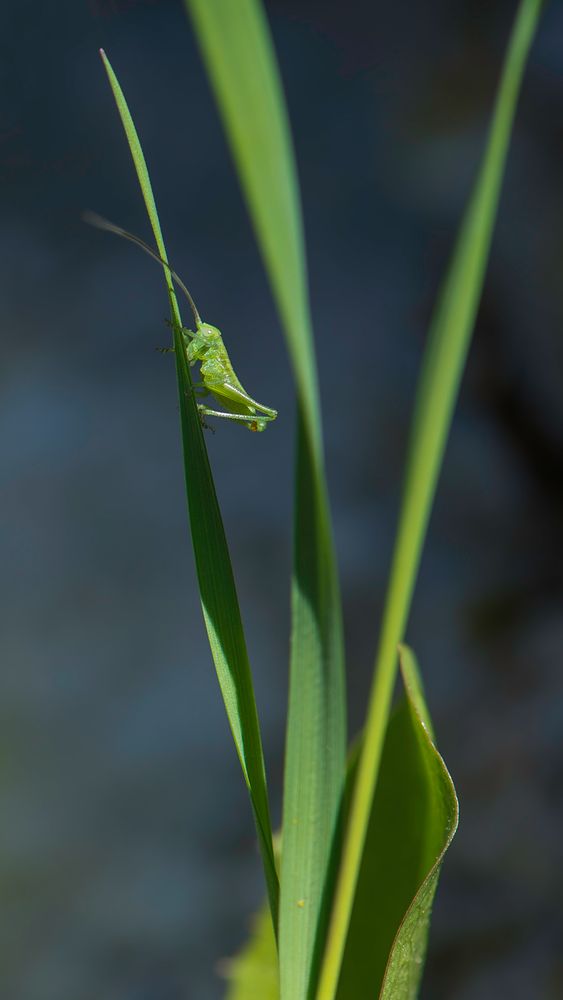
{"x": 209, "y": 334}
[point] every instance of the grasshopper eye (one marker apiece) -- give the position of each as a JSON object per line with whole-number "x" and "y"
{"x": 210, "y": 333}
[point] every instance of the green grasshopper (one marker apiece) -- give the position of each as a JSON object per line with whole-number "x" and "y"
{"x": 206, "y": 346}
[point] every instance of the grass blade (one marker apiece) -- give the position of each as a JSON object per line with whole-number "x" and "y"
{"x": 443, "y": 364}
{"x": 240, "y": 61}
{"x": 215, "y": 576}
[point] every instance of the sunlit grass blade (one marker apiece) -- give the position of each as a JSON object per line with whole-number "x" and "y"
{"x": 238, "y": 53}
{"x": 216, "y": 584}
{"x": 443, "y": 364}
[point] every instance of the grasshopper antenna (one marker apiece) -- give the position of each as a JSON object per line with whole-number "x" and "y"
{"x": 100, "y": 223}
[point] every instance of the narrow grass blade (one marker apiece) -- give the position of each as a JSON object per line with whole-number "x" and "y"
{"x": 240, "y": 61}
{"x": 442, "y": 368}
{"x": 413, "y": 819}
{"x": 215, "y": 576}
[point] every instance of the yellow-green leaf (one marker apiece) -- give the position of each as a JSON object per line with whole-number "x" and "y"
{"x": 254, "y": 973}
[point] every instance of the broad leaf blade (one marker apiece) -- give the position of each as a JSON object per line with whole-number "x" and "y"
{"x": 240, "y": 61}
{"x": 443, "y": 365}
{"x": 216, "y": 584}
{"x": 412, "y": 822}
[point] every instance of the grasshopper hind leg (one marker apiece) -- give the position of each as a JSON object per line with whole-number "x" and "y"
{"x": 254, "y": 422}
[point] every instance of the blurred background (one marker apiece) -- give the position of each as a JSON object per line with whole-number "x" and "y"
{"x": 128, "y": 865}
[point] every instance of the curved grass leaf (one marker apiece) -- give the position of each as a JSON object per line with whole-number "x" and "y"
{"x": 215, "y": 576}
{"x": 442, "y": 368}
{"x": 240, "y": 62}
{"x": 413, "y": 819}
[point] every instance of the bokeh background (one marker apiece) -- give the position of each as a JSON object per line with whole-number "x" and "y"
{"x": 128, "y": 865}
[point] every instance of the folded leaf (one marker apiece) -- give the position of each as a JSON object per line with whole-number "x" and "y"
{"x": 412, "y": 822}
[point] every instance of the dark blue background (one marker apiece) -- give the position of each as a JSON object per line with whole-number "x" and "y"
{"x": 127, "y": 857}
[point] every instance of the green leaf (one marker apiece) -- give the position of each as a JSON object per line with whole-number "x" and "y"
{"x": 215, "y": 576}
{"x": 413, "y": 819}
{"x": 443, "y": 364}
{"x": 240, "y": 61}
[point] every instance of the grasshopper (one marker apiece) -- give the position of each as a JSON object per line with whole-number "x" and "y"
{"x": 205, "y": 345}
